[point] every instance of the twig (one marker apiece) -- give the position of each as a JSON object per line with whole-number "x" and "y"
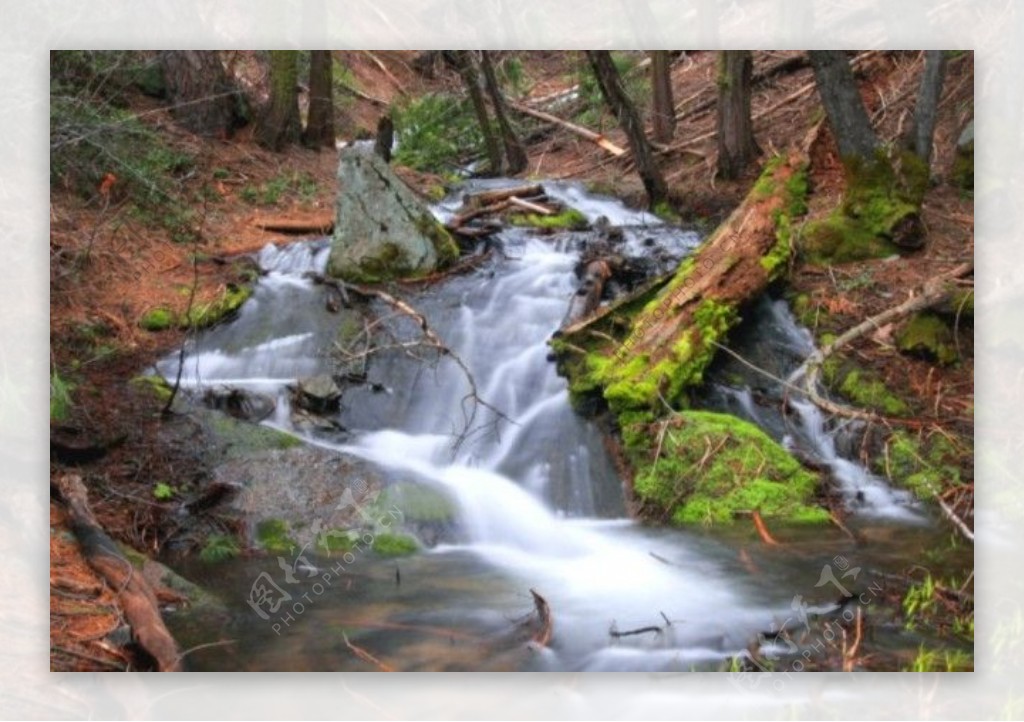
{"x": 957, "y": 521}
{"x": 762, "y": 530}
{"x": 366, "y": 656}
{"x": 613, "y": 632}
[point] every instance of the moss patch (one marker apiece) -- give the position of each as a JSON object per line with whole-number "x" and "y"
{"x": 242, "y": 438}
{"x": 272, "y": 536}
{"x": 880, "y": 205}
{"x": 928, "y": 336}
{"x": 159, "y": 319}
{"x": 394, "y": 545}
{"x": 924, "y": 465}
{"x": 569, "y": 219}
{"x": 205, "y": 315}
{"x": 713, "y": 466}
{"x": 861, "y": 387}
{"x": 155, "y": 384}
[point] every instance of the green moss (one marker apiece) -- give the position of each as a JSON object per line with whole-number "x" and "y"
{"x": 664, "y": 210}
{"x": 242, "y": 438}
{"x": 154, "y": 384}
{"x": 924, "y": 465}
{"x": 879, "y": 203}
{"x": 861, "y": 387}
{"x": 209, "y": 314}
{"x": 394, "y": 545}
{"x": 928, "y": 336}
{"x": 335, "y": 540}
{"x": 444, "y": 245}
{"x": 159, "y": 319}
{"x": 569, "y": 219}
{"x": 218, "y": 548}
{"x": 713, "y": 466}
{"x": 272, "y": 536}
{"x": 419, "y": 503}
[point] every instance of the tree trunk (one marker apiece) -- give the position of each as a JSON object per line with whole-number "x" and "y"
{"x": 843, "y": 105}
{"x": 320, "y": 124}
{"x": 922, "y": 128}
{"x": 736, "y": 144}
{"x": 204, "y": 100}
{"x": 385, "y": 139}
{"x": 515, "y": 154}
{"x": 280, "y": 123}
{"x": 615, "y": 96}
{"x": 463, "y": 60}
{"x": 664, "y": 105}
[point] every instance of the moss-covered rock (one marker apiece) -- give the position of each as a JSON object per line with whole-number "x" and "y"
{"x": 879, "y": 215}
{"x": 861, "y": 387}
{"x": 713, "y": 466}
{"x": 394, "y": 545}
{"x": 204, "y": 315}
{"x": 925, "y": 335}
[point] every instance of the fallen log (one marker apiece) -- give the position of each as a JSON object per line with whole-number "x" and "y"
{"x": 529, "y": 206}
{"x": 486, "y": 198}
{"x": 463, "y": 218}
{"x": 590, "y": 135}
{"x": 318, "y": 223}
{"x": 135, "y": 595}
{"x": 661, "y": 342}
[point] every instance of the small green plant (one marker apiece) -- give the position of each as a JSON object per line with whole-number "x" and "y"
{"x": 436, "y": 132}
{"x": 60, "y": 396}
{"x": 218, "y": 548}
{"x": 394, "y": 545}
{"x": 163, "y": 491}
{"x": 919, "y": 601}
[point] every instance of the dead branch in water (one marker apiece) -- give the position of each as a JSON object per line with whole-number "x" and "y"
{"x": 616, "y": 634}
{"x": 469, "y": 404}
{"x": 543, "y": 635}
{"x": 762, "y": 530}
{"x": 366, "y": 656}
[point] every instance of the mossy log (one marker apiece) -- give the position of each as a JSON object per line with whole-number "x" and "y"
{"x": 658, "y": 342}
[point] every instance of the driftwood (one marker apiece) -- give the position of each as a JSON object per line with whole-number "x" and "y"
{"x": 317, "y": 223}
{"x": 135, "y": 595}
{"x": 486, "y": 198}
{"x": 529, "y": 206}
{"x": 590, "y": 135}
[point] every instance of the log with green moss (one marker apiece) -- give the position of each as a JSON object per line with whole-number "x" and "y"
{"x": 640, "y": 357}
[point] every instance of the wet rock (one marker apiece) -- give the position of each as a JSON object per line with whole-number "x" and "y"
{"x": 383, "y": 230}
{"x": 318, "y": 394}
{"x": 244, "y": 405}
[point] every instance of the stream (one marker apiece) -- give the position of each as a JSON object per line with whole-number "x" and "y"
{"x": 539, "y": 504}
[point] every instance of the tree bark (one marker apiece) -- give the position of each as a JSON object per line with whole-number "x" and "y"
{"x": 922, "y": 129}
{"x": 843, "y": 105}
{"x": 463, "y": 60}
{"x": 515, "y": 154}
{"x": 280, "y": 125}
{"x": 736, "y": 144}
{"x": 385, "y": 137}
{"x": 618, "y": 100}
{"x": 320, "y": 123}
{"x": 664, "y": 105}
{"x": 204, "y": 100}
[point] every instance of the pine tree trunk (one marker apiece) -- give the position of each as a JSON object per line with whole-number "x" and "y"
{"x": 922, "y": 129}
{"x": 843, "y": 105}
{"x": 615, "y": 96}
{"x": 515, "y": 154}
{"x": 664, "y": 105}
{"x": 463, "y": 60}
{"x": 736, "y": 144}
{"x": 320, "y": 124}
{"x": 204, "y": 100}
{"x": 280, "y": 123}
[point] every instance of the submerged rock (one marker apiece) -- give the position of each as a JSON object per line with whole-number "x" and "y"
{"x": 318, "y": 394}
{"x": 383, "y": 230}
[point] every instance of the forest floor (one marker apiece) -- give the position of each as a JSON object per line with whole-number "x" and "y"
{"x": 112, "y": 266}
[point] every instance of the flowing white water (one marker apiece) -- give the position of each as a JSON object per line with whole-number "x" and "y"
{"x": 535, "y": 496}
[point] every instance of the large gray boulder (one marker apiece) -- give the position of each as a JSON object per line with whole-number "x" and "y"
{"x": 383, "y": 230}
